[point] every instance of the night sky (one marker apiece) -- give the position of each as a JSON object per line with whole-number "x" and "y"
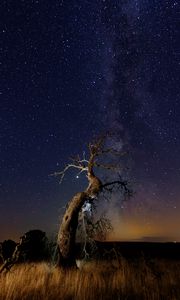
{"x": 71, "y": 70}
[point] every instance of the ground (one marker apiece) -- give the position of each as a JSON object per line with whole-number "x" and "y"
{"x": 106, "y": 279}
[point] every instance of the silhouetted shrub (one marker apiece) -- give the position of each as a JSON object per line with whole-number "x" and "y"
{"x": 33, "y": 246}
{"x": 6, "y": 249}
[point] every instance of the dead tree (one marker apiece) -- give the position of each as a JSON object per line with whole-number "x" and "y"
{"x": 68, "y": 227}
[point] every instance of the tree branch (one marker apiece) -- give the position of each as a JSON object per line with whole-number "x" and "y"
{"x": 107, "y": 166}
{"x": 62, "y": 173}
{"x": 124, "y": 184}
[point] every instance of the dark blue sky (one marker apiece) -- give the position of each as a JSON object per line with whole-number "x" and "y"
{"x": 70, "y": 69}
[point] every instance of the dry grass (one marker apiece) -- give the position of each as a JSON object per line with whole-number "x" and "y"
{"x": 96, "y": 280}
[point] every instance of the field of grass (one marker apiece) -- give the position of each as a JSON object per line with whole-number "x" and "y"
{"x": 96, "y": 280}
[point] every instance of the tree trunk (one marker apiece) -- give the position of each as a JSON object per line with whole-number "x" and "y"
{"x": 67, "y": 231}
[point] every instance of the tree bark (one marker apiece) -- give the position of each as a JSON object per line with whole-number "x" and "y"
{"x": 68, "y": 227}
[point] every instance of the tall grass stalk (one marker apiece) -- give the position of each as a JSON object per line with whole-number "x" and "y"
{"x": 96, "y": 280}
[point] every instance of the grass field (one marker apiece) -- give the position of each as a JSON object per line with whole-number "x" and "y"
{"x": 96, "y": 280}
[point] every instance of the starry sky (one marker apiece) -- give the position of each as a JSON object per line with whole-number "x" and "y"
{"x": 70, "y": 70}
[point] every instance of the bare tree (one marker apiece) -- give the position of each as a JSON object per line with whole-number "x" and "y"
{"x": 67, "y": 231}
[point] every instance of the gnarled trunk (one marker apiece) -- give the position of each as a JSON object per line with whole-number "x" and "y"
{"x": 67, "y": 231}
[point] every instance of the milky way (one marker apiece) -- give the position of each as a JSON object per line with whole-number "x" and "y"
{"x": 72, "y": 69}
